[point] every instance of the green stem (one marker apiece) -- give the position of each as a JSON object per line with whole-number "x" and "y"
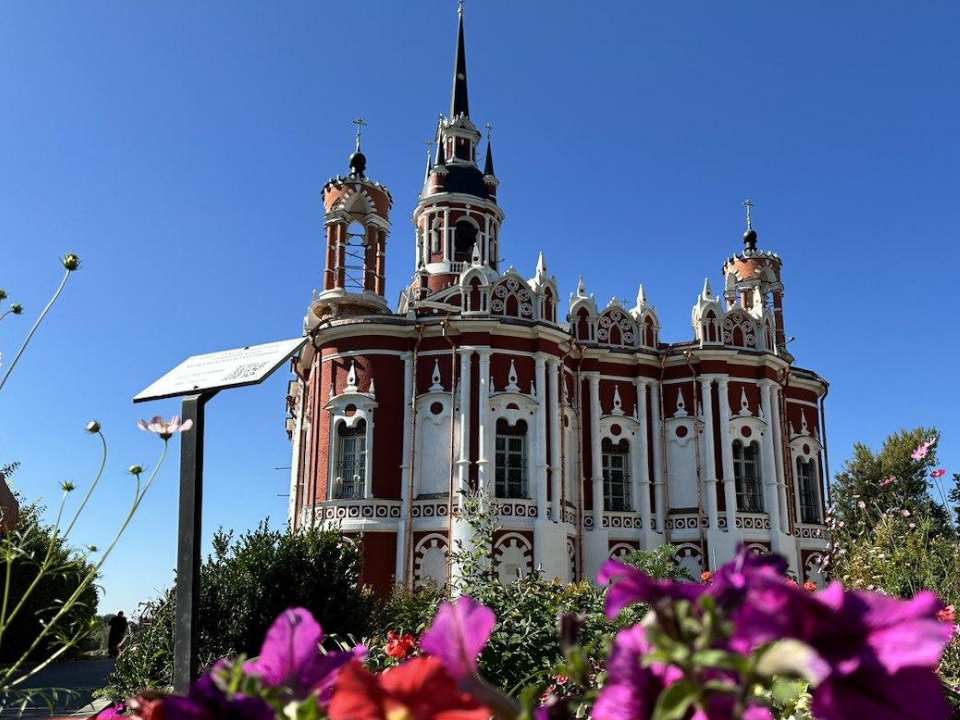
{"x": 36, "y": 324}
{"x": 93, "y": 485}
{"x": 41, "y": 570}
{"x": 90, "y": 577}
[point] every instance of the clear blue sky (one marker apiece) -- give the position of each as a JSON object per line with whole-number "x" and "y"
{"x": 179, "y": 148}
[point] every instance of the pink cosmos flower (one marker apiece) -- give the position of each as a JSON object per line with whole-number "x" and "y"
{"x": 939, "y": 472}
{"x": 891, "y": 479}
{"x": 921, "y": 452}
{"x": 291, "y": 659}
{"x": 458, "y": 634}
{"x": 165, "y": 428}
{"x": 861, "y": 504}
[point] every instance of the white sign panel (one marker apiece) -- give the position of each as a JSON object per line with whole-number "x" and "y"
{"x": 217, "y": 371}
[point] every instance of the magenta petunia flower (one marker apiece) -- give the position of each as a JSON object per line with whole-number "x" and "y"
{"x": 165, "y": 428}
{"x": 291, "y": 659}
{"x": 629, "y": 585}
{"x": 206, "y": 701}
{"x": 458, "y": 634}
{"x": 878, "y": 652}
{"x": 631, "y": 690}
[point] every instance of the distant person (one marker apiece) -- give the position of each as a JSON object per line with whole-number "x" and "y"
{"x": 118, "y": 628}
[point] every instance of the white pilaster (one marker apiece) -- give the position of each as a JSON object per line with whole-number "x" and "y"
{"x": 709, "y": 456}
{"x": 658, "y": 494}
{"x": 778, "y": 457}
{"x": 485, "y": 433}
{"x": 641, "y": 468}
{"x": 553, "y": 369}
{"x": 770, "y": 494}
{"x": 463, "y": 462}
{"x": 726, "y": 455}
{"x": 596, "y": 464}
{"x": 406, "y": 501}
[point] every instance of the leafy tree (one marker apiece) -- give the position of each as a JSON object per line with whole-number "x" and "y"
{"x": 863, "y": 489}
{"x": 244, "y": 585}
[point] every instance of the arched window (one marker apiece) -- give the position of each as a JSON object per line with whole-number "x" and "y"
{"x": 350, "y": 473}
{"x": 616, "y": 478}
{"x": 807, "y": 485}
{"x": 464, "y": 238}
{"x": 511, "y": 459}
{"x": 746, "y": 474}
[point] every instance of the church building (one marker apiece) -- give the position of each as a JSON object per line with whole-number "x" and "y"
{"x": 590, "y": 435}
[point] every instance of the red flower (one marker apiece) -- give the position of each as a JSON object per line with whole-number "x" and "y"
{"x": 706, "y": 576}
{"x": 810, "y": 586}
{"x": 419, "y": 689}
{"x": 399, "y": 646}
{"x": 946, "y": 615}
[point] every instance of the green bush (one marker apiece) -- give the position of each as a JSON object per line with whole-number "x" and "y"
{"x": 25, "y": 549}
{"x": 244, "y": 585}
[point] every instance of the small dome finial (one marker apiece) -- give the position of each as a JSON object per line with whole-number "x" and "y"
{"x": 750, "y": 236}
{"x": 358, "y": 161}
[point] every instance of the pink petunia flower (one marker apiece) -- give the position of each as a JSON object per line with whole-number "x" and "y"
{"x": 290, "y": 657}
{"x": 165, "y": 428}
{"x": 939, "y": 472}
{"x": 458, "y": 634}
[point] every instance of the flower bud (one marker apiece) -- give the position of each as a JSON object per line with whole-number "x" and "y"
{"x": 91, "y": 548}
{"x": 71, "y": 262}
{"x": 16, "y": 308}
{"x": 67, "y": 486}
{"x": 570, "y": 626}
{"x": 93, "y": 427}
{"x": 135, "y": 470}
{"x": 3, "y": 294}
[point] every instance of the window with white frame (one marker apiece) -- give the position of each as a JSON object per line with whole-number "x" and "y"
{"x": 616, "y": 477}
{"x": 746, "y": 474}
{"x": 350, "y": 471}
{"x": 511, "y": 459}
{"x": 807, "y": 486}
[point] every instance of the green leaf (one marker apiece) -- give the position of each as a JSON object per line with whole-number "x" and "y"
{"x": 674, "y": 702}
{"x": 721, "y": 659}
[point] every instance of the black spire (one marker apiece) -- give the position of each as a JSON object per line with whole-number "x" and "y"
{"x": 458, "y": 97}
{"x": 488, "y": 163}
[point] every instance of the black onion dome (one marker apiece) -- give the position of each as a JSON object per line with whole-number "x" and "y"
{"x": 466, "y": 179}
{"x": 358, "y": 163}
{"x": 750, "y": 239}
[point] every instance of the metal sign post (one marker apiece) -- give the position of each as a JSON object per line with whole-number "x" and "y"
{"x": 196, "y": 380}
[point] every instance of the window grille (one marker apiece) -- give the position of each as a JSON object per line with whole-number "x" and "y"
{"x": 616, "y": 478}
{"x": 809, "y": 500}
{"x": 746, "y": 473}
{"x": 511, "y": 459}
{"x": 351, "y": 467}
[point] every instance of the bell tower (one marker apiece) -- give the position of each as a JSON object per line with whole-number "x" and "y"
{"x": 356, "y": 225}
{"x": 457, "y": 218}
{"x": 752, "y": 281}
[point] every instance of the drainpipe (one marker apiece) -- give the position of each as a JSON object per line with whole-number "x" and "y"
{"x": 687, "y": 354}
{"x": 578, "y": 384}
{"x": 408, "y": 530}
{"x": 445, "y": 326}
{"x": 826, "y": 455}
{"x": 664, "y": 463}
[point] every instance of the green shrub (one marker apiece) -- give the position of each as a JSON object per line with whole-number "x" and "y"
{"x": 25, "y": 548}
{"x": 244, "y": 585}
